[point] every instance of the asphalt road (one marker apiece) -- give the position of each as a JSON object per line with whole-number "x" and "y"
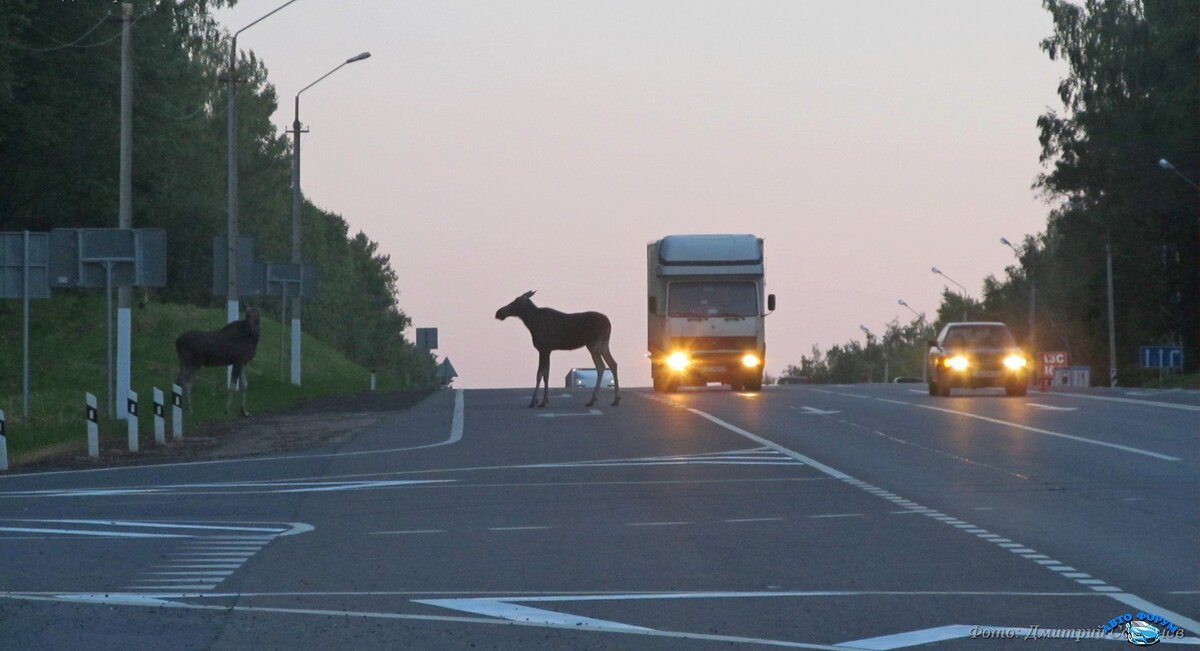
{"x": 866, "y": 516}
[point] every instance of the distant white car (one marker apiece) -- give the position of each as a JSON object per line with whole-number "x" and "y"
{"x": 586, "y": 377}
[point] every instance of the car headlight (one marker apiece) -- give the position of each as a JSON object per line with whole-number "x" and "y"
{"x": 958, "y": 363}
{"x": 1014, "y": 362}
{"x": 678, "y": 361}
{"x": 750, "y": 360}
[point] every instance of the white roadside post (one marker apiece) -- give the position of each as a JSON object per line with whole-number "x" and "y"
{"x": 93, "y": 428}
{"x": 3, "y": 444}
{"x": 176, "y": 412}
{"x": 160, "y": 424}
{"x": 372, "y": 379}
{"x": 131, "y": 420}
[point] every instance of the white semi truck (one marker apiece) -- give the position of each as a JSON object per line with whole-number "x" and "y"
{"x": 707, "y": 311}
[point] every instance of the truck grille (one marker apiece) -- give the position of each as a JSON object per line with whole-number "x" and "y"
{"x": 704, "y": 344}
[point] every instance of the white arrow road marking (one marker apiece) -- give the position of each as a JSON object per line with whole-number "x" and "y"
{"x": 817, "y": 412}
{"x": 516, "y": 613}
{"x": 590, "y": 412}
{"x": 96, "y": 533}
{"x": 1051, "y": 407}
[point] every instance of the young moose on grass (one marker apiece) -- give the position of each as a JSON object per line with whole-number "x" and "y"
{"x": 554, "y": 330}
{"x": 233, "y": 345}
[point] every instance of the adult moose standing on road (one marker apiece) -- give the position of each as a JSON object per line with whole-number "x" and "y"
{"x": 233, "y": 345}
{"x": 553, "y": 330}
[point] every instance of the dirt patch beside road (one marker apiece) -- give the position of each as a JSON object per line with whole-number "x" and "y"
{"x": 315, "y": 423}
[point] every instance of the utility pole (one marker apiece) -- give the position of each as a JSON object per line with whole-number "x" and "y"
{"x": 297, "y": 205}
{"x": 116, "y": 398}
{"x": 1112, "y": 328}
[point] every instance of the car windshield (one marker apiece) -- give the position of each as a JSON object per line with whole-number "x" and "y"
{"x": 712, "y": 299}
{"x": 979, "y": 337}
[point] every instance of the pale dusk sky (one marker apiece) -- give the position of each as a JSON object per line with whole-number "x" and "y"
{"x": 496, "y": 147}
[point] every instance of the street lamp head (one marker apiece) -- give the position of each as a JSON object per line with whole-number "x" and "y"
{"x": 360, "y": 57}
{"x": 1165, "y": 164}
{"x": 1005, "y": 242}
{"x": 901, "y": 302}
{"x": 936, "y": 270}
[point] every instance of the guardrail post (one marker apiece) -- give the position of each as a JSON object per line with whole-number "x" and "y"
{"x": 3, "y": 443}
{"x": 131, "y": 419}
{"x": 176, "y": 412}
{"x": 160, "y": 424}
{"x": 93, "y": 427}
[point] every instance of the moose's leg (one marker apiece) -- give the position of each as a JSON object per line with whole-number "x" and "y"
{"x": 243, "y": 384}
{"x": 545, "y": 367}
{"x": 598, "y": 362}
{"x": 542, "y": 360}
{"x": 235, "y": 373}
{"x": 612, "y": 364}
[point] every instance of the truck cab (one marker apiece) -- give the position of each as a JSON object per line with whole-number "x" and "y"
{"x": 706, "y": 311}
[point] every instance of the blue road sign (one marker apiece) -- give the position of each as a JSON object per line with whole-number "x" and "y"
{"x": 1161, "y": 356}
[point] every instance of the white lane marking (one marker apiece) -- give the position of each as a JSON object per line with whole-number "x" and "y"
{"x": 1129, "y": 599}
{"x": 360, "y": 485}
{"x": 963, "y": 631}
{"x": 96, "y": 533}
{"x": 192, "y": 579}
{"x": 1051, "y": 407}
{"x": 653, "y": 524}
{"x": 193, "y": 573}
{"x": 1148, "y": 403}
{"x": 456, "y": 434}
{"x": 813, "y": 411}
{"x": 514, "y": 612}
{"x": 590, "y": 412}
{"x": 134, "y": 600}
{"x": 164, "y": 525}
{"x": 193, "y": 586}
{"x": 753, "y": 520}
{"x": 1047, "y": 432}
{"x": 838, "y": 515}
{"x": 534, "y": 528}
{"x": 400, "y": 533}
{"x": 917, "y": 391}
{"x": 203, "y": 565}
{"x": 911, "y": 638}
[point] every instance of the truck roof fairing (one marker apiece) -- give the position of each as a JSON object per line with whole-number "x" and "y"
{"x": 690, "y": 255}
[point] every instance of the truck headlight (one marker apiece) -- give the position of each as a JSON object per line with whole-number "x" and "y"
{"x": 750, "y": 360}
{"x": 678, "y": 361}
{"x": 958, "y": 363}
{"x": 1014, "y": 362}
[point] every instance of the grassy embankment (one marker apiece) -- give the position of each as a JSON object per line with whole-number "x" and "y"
{"x": 67, "y": 357}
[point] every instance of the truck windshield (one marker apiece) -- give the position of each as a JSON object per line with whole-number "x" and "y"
{"x": 712, "y": 299}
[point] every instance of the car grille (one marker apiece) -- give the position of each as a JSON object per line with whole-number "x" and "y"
{"x": 988, "y": 362}
{"x": 705, "y": 344}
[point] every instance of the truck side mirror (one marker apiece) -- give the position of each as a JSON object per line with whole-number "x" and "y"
{"x": 770, "y": 302}
{"x": 653, "y": 305}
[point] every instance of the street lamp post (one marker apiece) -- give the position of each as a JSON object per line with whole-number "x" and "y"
{"x": 881, "y": 348}
{"x": 231, "y": 289}
{"x": 1166, "y": 165}
{"x": 921, "y": 319}
{"x": 964, "y": 289}
{"x": 297, "y": 203}
{"x": 1032, "y": 305}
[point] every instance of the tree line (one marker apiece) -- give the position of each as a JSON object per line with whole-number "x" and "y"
{"x": 1131, "y": 99}
{"x": 60, "y": 66}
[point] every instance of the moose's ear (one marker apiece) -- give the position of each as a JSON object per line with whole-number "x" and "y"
{"x": 528, "y": 293}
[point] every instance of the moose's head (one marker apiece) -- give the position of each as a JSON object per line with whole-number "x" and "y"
{"x": 520, "y": 305}
{"x": 253, "y": 320}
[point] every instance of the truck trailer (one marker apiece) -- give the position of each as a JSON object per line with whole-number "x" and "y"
{"x": 706, "y": 311}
